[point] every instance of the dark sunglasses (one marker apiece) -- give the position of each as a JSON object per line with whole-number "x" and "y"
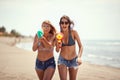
{"x": 64, "y": 22}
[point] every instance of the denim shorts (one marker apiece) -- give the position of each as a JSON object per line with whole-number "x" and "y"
{"x": 43, "y": 65}
{"x": 69, "y": 63}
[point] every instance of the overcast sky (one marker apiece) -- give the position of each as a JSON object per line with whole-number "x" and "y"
{"x": 94, "y": 19}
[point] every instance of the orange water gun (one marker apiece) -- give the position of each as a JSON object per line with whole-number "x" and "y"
{"x": 59, "y": 37}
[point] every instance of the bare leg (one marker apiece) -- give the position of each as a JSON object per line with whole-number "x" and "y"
{"x": 62, "y": 72}
{"x": 72, "y": 73}
{"x": 40, "y": 74}
{"x": 48, "y": 74}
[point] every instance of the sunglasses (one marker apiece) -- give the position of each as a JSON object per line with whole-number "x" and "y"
{"x": 64, "y": 22}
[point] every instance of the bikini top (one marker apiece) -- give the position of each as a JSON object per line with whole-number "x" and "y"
{"x": 42, "y": 48}
{"x": 46, "y": 49}
{"x": 70, "y": 41}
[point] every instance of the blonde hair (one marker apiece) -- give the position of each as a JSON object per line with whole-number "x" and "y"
{"x": 53, "y": 30}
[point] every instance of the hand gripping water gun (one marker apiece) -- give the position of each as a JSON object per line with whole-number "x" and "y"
{"x": 59, "y": 37}
{"x": 40, "y": 33}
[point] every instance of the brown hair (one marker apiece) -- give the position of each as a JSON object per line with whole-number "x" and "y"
{"x": 71, "y": 23}
{"x": 53, "y": 30}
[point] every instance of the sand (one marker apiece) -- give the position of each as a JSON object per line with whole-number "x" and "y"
{"x": 18, "y": 64}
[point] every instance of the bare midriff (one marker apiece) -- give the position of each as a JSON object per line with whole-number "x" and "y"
{"x": 45, "y": 54}
{"x": 68, "y": 52}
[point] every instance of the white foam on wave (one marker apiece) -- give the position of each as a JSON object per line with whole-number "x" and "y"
{"x": 99, "y": 57}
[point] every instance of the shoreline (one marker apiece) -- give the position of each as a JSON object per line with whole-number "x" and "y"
{"x": 12, "y": 41}
{"x": 18, "y": 64}
{"x": 25, "y": 45}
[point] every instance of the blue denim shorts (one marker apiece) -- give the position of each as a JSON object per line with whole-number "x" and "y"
{"x": 43, "y": 65}
{"x": 69, "y": 63}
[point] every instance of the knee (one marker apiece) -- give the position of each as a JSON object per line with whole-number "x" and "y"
{"x": 72, "y": 78}
{"x": 46, "y": 78}
{"x": 63, "y": 78}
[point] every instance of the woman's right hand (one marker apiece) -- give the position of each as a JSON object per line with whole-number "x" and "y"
{"x": 59, "y": 44}
{"x": 39, "y": 40}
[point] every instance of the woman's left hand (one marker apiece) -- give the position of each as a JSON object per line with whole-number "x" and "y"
{"x": 79, "y": 61}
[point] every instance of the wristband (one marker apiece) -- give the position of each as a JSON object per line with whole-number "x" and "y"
{"x": 39, "y": 44}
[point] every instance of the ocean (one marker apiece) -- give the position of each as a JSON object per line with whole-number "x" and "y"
{"x": 101, "y": 52}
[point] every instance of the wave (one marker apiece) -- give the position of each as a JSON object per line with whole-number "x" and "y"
{"x": 103, "y": 57}
{"x": 102, "y": 42}
{"x": 109, "y": 43}
{"x": 26, "y": 46}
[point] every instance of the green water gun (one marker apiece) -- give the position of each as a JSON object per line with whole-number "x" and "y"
{"x": 40, "y": 33}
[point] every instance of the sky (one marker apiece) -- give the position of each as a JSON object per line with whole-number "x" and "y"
{"x": 94, "y": 19}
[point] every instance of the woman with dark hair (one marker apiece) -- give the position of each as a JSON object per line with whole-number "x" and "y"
{"x": 68, "y": 58}
{"x": 45, "y": 63}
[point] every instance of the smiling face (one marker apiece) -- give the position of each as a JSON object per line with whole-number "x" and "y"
{"x": 46, "y": 28}
{"x": 64, "y": 24}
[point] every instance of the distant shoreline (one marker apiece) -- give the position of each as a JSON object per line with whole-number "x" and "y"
{"x": 12, "y": 41}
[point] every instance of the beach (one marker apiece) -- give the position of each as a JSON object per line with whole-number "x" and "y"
{"x": 18, "y": 64}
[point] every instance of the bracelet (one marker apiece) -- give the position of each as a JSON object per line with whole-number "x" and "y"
{"x": 39, "y": 44}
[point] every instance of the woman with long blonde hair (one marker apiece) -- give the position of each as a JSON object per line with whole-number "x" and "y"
{"x": 45, "y": 63}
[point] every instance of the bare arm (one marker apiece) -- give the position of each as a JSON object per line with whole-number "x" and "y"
{"x": 48, "y": 43}
{"x": 79, "y": 44}
{"x": 58, "y": 46}
{"x": 35, "y": 43}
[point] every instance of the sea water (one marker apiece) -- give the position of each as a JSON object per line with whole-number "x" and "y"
{"x": 102, "y": 52}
